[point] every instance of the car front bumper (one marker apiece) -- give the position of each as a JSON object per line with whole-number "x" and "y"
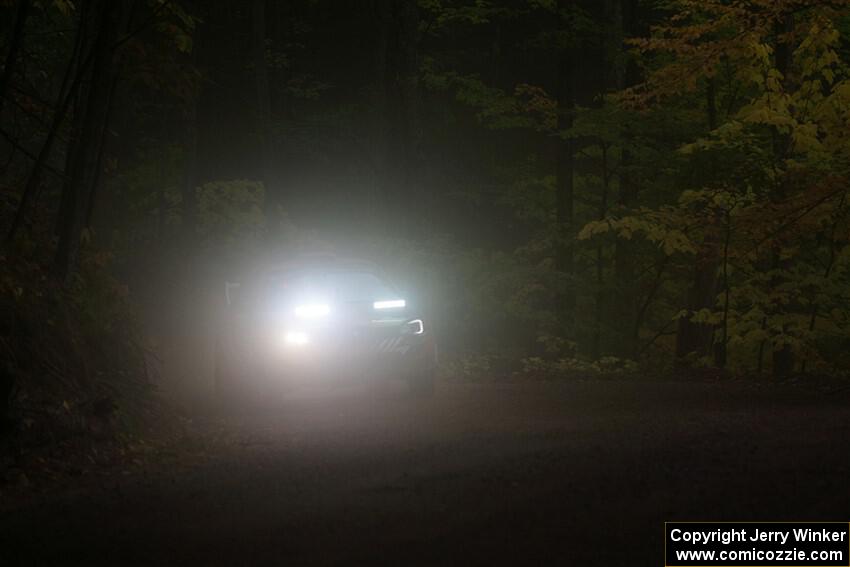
{"x": 354, "y": 352}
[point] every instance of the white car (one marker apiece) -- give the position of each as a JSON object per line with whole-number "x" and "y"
{"x": 314, "y": 320}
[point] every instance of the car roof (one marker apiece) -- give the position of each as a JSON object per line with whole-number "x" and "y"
{"x": 322, "y": 262}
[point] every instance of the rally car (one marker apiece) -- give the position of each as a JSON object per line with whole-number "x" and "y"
{"x": 320, "y": 321}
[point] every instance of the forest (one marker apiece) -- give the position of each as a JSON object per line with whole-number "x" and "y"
{"x": 576, "y": 187}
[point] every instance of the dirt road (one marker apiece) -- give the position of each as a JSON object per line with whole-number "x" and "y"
{"x": 581, "y": 473}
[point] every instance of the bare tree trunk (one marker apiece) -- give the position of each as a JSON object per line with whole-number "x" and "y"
{"x": 629, "y": 75}
{"x": 395, "y": 136}
{"x": 565, "y": 172}
{"x": 379, "y": 143}
{"x": 720, "y": 346}
{"x": 101, "y": 150}
{"x": 783, "y": 356}
{"x": 75, "y": 72}
{"x": 601, "y": 296}
{"x": 261, "y": 86}
{"x": 404, "y": 115}
{"x": 833, "y": 245}
{"x": 111, "y": 18}
{"x": 190, "y": 172}
{"x": 15, "y": 44}
{"x": 693, "y": 337}
{"x": 190, "y": 145}
{"x": 409, "y": 87}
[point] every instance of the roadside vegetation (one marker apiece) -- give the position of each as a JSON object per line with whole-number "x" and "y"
{"x": 589, "y": 188}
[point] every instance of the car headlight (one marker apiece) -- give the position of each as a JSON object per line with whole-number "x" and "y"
{"x": 390, "y": 304}
{"x": 312, "y": 310}
{"x": 296, "y": 338}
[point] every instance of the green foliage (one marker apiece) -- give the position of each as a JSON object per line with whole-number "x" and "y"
{"x": 528, "y": 107}
{"x": 662, "y": 229}
{"x": 607, "y": 366}
{"x": 231, "y": 211}
{"x": 470, "y": 367}
{"x": 446, "y": 12}
{"x": 175, "y": 23}
{"x": 758, "y": 196}
{"x": 772, "y": 211}
{"x": 710, "y": 192}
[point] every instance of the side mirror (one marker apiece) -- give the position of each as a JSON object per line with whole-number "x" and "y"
{"x": 230, "y": 292}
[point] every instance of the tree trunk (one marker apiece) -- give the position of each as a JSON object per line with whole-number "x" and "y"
{"x": 409, "y": 79}
{"x": 625, "y": 308}
{"x": 190, "y": 144}
{"x": 111, "y": 17}
{"x": 379, "y": 143}
{"x": 691, "y": 337}
{"x": 190, "y": 172}
{"x": 403, "y": 192}
{"x": 720, "y": 346}
{"x": 15, "y": 43}
{"x": 565, "y": 172}
{"x": 101, "y": 150}
{"x": 75, "y": 72}
{"x": 263, "y": 96}
{"x": 601, "y": 298}
{"x": 396, "y": 127}
{"x": 783, "y": 355}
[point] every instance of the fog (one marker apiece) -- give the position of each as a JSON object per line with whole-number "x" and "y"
{"x": 419, "y": 282}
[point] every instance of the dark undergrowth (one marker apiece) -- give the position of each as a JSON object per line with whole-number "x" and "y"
{"x": 476, "y": 367}
{"x": 76, "y": 393}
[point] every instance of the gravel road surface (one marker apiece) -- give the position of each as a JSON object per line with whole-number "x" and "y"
{"x": 578, "y": 473}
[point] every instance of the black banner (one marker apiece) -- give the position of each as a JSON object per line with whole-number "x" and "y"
{"x": 757, "y": 544}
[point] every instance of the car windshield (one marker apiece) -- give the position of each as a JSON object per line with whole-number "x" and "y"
{"x": 340, "y": 286}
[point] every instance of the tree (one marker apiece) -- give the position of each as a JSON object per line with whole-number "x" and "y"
{"x": 761, "y": 159}
{"x": 263, "y": 94}
{"x": 15, "y": 43}
{"x": 110, "y": 20}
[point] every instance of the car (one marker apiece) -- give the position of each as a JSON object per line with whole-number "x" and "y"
{"x": 323, "y": 321}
